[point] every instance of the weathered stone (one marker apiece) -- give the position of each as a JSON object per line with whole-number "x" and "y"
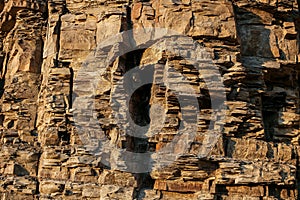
{"x": 50, "y": 145}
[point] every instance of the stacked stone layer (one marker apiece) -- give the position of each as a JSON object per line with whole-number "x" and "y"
{"x": 45, "y": 47}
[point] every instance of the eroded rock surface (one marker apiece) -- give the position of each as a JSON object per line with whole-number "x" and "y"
{"x": 47, "y": 49}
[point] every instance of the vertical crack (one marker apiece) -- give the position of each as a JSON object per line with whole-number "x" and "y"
{"x": 71, "y": 88}
{"x": 138, "y": 106}
{"x": 57, "y": 31}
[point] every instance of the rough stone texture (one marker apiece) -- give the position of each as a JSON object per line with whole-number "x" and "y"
{"x": 254, "y": 43}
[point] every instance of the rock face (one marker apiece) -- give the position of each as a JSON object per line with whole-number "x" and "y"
{"x": 246, "y": 149}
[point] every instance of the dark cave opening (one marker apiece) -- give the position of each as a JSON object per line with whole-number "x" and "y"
{"x": 139, "y": 105}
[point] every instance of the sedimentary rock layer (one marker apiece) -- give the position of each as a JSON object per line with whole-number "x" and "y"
{"x": 58, "y": 90}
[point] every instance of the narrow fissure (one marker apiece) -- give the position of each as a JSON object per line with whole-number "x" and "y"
{"x": 57, "y": 31}
{"x": 4, "y": 56}
{"x": 139, "y": 100}
{"x": 270, "y": 111}
{"x": 40, "y": 58}
{"x": 37, "y": 191}
{"x": 1, "y": 5}
{"x": 139, "y": 107}
{"x": 71, "y": 88}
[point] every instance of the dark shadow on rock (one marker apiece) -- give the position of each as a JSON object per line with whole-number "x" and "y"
{"x": 20, "y": 170}
{"x": 256, "y": 50}
{"x": 229, "y": 147}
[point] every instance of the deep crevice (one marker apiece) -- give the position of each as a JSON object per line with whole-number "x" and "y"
{"x": 1, "y": 5}
{"x": 270, "y": 111}
{"x": 57, "y": 31}
{"x": 71, "y": 88}
{"x": 139, "y": 110}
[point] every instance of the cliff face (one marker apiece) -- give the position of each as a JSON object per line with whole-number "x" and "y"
{"x": 246, "y": 149}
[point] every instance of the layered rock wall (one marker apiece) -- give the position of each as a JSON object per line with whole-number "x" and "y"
{"x": 44, "y": 45}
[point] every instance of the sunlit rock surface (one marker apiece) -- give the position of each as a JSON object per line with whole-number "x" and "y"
{"x": 252, "y": 153}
